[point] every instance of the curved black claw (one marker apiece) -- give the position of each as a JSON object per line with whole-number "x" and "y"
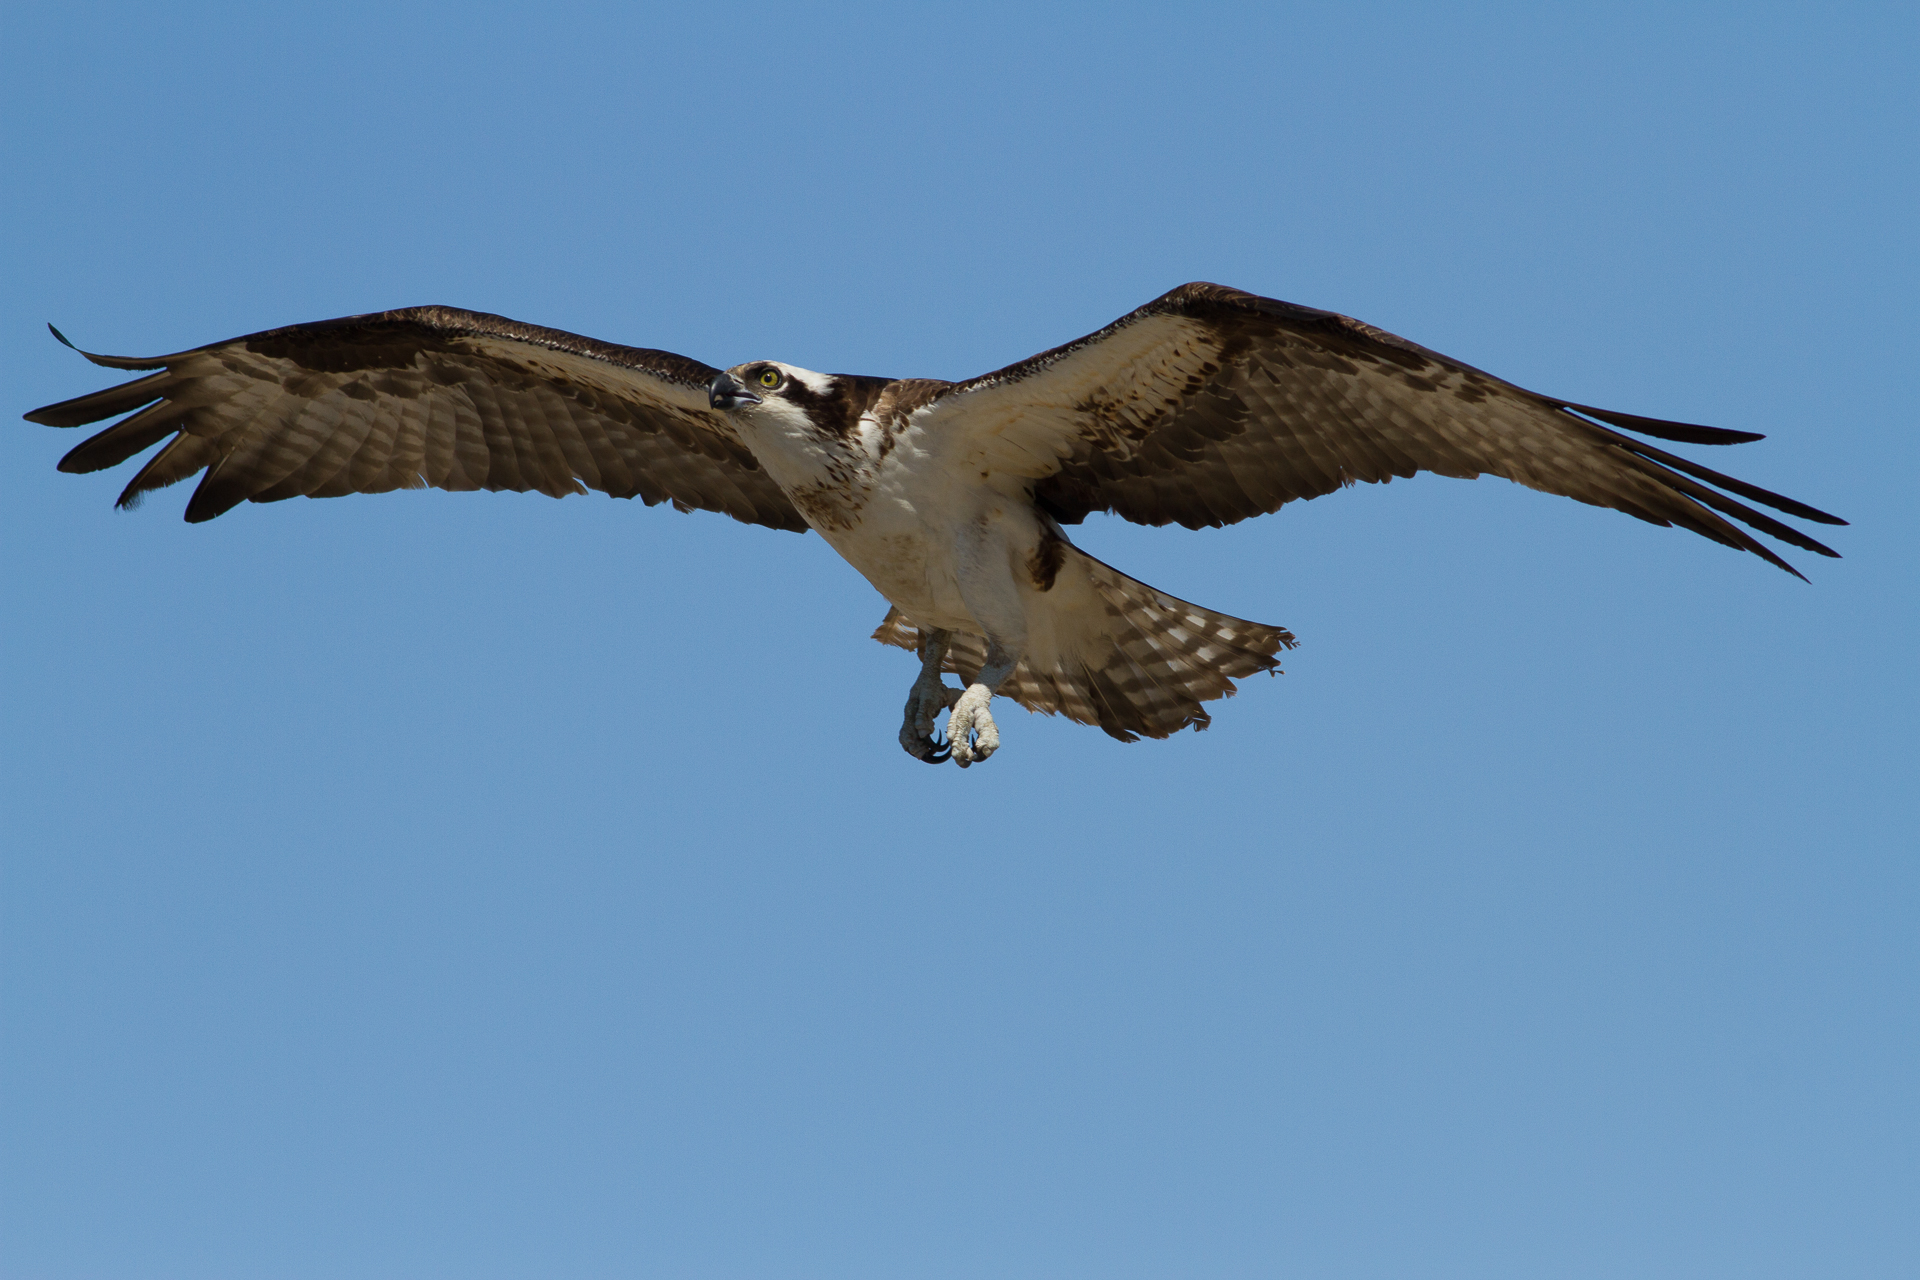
{"x": 930, "y": 750}
{"x": 923, "y": 704}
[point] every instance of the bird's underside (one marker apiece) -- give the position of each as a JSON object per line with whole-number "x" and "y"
{"x": 1204, "y": 407}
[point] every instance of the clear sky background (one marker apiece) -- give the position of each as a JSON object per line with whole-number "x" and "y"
{"x": 487, "y": 886}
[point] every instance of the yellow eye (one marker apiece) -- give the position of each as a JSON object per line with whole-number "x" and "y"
{"x": 770, "y": 378}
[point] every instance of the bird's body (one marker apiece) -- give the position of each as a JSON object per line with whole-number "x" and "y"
{"x": 1203, "y": 408}
{"x": 957, "y": 546}
{"x": 879, "y": 491}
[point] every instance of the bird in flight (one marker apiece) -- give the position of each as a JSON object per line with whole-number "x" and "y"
{"x": 1204, "y": 407}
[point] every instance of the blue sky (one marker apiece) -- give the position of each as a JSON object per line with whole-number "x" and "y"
{"x": 436, "y": 884}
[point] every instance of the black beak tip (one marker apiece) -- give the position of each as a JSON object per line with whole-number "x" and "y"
{"x": 727, "y": 392}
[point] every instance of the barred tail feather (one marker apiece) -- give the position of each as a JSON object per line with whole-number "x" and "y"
{"x": 1135, "y": 661}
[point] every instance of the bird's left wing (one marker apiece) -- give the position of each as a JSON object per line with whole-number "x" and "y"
{"x": 1209, "y": 405}
{"x": 426, "y": 396}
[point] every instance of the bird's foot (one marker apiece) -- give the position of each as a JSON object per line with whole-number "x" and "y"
{"x": 971, "y": 734}
{"x": 928, "y": 698}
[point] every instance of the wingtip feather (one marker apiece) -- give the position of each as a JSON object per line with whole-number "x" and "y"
{"x": 108, "y": 362}
{"x": 1662, "y": 429}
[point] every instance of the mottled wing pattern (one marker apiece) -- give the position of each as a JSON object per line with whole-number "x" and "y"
{"x": 1157, "y": 660}
{"x": 1209, "y": 405}
{"x": 426, "y": 396}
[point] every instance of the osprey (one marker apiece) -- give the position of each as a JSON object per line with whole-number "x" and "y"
{"x": 1204, "y": 407}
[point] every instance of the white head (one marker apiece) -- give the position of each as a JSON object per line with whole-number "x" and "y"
{"x": 769, "y": 392}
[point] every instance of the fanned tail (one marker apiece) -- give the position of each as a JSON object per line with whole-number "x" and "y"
{"x": 1141, "y": 668}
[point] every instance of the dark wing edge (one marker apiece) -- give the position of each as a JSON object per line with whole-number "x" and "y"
{"x": 420, "y": 397}
{"x": 1090, "y": 483}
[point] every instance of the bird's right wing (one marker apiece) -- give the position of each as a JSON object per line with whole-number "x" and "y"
{"x": 1210, "y": 405}
{"x": 426, "y": 396}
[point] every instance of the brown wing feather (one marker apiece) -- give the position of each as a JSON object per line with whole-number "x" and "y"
{"x": 426, "y": 396}
{"x": 1209, "y": 405}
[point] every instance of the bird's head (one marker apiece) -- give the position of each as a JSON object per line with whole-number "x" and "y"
{"x": 765, "y": 384}
{"x": 768, "y": 399}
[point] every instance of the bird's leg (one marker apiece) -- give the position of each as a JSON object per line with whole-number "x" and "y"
{"x": 971, "y": 734}
{"x": 984, "y": 556}
{"x": 929, "y": 696}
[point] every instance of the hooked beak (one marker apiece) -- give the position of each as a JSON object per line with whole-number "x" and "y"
{"x": 728, "y": 392}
